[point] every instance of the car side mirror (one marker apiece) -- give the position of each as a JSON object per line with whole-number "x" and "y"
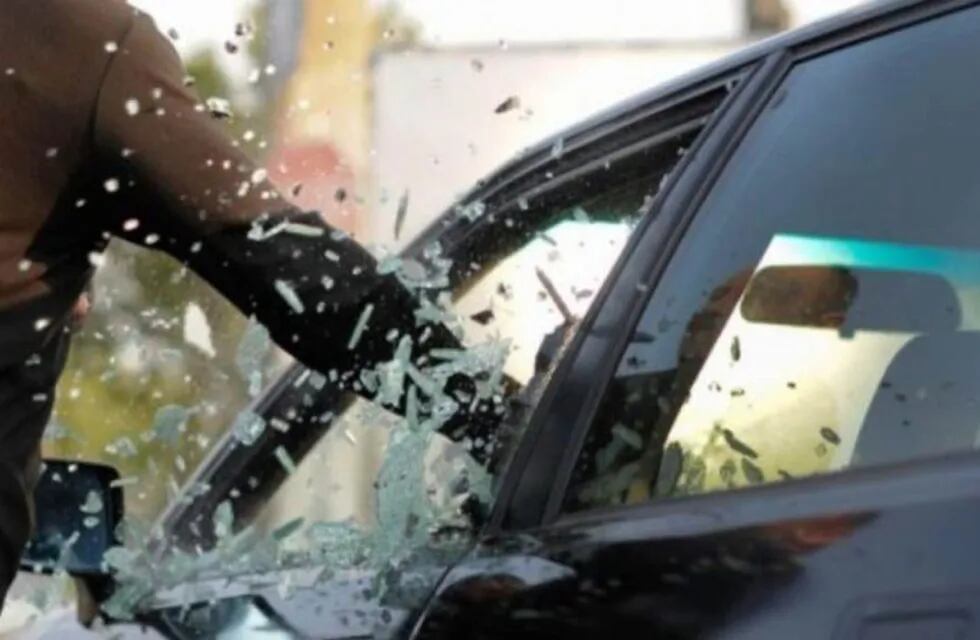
{"x": 76, "y": 511}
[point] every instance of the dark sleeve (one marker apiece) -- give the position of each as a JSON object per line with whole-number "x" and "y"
{"x": 174, "y": 181}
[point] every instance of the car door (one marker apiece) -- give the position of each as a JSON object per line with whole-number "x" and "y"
{"x": 781, "y": 442}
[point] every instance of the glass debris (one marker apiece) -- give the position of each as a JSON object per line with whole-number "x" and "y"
{"x": 122, "y": 447}
{"x": 391, "y": 375}
{"x": 484, "y": 317}
{"x": 406, "y": 510}
{"x": 127, "y": 481}
{"x": 93, "y": 503}
{"x": 288, "y": 530}
{"x": 169, "y": 423}
{"x": 250, "y": 356}
{"x": 830, "y": 435}
{"x": 285, "y": 460}
{"x": 752, "y": 473}
{"x": 558, "y": 149}
{"x": 360, "y": 327}
{"x": 258, "y": 233}
{"x": 197, "y": 329}
{"x": 55, "y": 431}
{"x": 401, "y": 213}
{"x": 289, "y": 295}
{"x": 472, "y": 211}
{"x": 248, "y": 427}
{"x": 306, "y": 230}
{"x": 509, "y": 104}
{"x": 218, "y": 107}
{"x": 737, "y": 445}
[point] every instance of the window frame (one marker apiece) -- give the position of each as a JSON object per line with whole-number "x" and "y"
{"x": 556, "y": 434}
{"x": 522, "y": 497}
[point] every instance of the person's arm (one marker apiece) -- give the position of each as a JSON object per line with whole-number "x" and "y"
{"x": 174, "y": 181}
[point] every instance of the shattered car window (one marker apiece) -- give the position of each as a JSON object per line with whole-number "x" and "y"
{"x": 821, "y": 313}
{"x": 380, "y": 491}
{"x": 504, "y": 315}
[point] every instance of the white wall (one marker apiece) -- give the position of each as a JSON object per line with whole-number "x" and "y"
{"x": 454, "y": 22}
{"x": 804, "y": 11}
{"x": 435, "y": 130}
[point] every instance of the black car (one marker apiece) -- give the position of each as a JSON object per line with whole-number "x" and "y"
{"x": 764, "y": 423}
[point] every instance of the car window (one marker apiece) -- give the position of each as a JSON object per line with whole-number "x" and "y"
{"x": 507, "y": 301}
{"x": 530, "y": 293}
{"x": 822, "y": 311}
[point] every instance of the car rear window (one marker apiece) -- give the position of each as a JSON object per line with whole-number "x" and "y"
{"x": 823, "y": 310}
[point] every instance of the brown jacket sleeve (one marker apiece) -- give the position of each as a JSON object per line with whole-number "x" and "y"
{"x": 174, "y": 181}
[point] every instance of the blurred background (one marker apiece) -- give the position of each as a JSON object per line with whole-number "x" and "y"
{"x": 350, "y": 105}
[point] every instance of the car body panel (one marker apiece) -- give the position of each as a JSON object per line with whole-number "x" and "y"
{"x": 875, "y": 554}
{"x": 295, "y": 603}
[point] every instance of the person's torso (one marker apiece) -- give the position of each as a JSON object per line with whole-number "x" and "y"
{"x": 53, "y": 56}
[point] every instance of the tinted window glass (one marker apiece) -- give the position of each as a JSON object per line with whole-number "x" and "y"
{"x": 823, "y": 310}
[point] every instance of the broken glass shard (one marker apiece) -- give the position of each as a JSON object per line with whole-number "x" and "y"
{"x": 509, "y": 104}
{"x": 289, "y": 295}
{"x": 248, "y": 427}
{"x": 169, "y": 422}
{"x": 219, "y": 107}
{"x": 360, "y": 327}
{"x": 251, "y": 354}
{"x": 737, "y": 445}
{"x": 197, "y": 329}
{"x": 285, "y": 460}
{"x": 401, "y": 213}
{"x": 305, "y": 230}
{"x": 92, "y": 504}
{"x": 484, "y": 317}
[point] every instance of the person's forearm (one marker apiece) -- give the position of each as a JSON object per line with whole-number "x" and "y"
{"x": 179, "y": 179}
{"x": 317, "y": 291}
